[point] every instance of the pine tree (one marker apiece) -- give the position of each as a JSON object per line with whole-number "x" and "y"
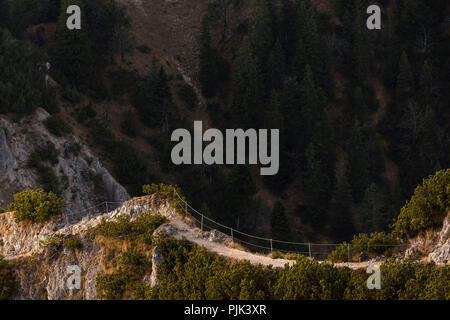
{"x": 242, "y": 189}
{"x": 264, "y": 33}
{"x": 247, "y": 88}
{"x": 361, "y": 109}
{"x": 71, "y": 51}
{"x": 207, "y": 68}
{"x": 279, "y": 222}
{"x": 288, "y": 34}
{"x": 426, "y": 83}
{"x": 341, "y": 220}
{"x": 310, "y": 101}
{"x": 317, "y": 183}
{"x": 4, "y": 13}
{"x": 358, "y": 162}
{"x": 275, "y": 67}
{"x": 373, "y": 215}
{"x": 405, "y": 81}
{"x": 290, "y": 101}
{"x": 273, "y": 117}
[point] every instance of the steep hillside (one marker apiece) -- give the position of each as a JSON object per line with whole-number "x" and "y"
{"x": 40, "y": 254}
{"x": 33, "y": 157}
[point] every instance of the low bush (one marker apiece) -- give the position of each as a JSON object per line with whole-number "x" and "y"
{"x": 139, "y": 230}
{"x": 340, "y": 254}
{"x": 36, "y": 205}
{"x": 46, "y": 153}
{"x": 378, "y": 243}
{"x": 127, "y": 279}
{"x": 7, "y": 280}
{"x": 375, "y": 243}
{"x": 427, "y": 208}
{"x": 57, "y": 126}
{"x": 178, "y": 200}
{"x": 73, "y": 243}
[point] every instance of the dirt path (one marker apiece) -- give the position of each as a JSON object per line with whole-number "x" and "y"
{"x": 187, "y": 232}
{"x": 192, "y": 235}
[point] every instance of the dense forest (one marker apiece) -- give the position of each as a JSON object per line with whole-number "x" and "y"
{"x": 363, "y": 114}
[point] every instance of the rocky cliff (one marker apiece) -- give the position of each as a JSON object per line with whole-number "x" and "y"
{"x": 84, "y": 182}
{"x": 433, "y": 245}
{"x": 42, "y": 269}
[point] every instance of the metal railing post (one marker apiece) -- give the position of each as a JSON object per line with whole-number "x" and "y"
{"x": 271, "y": 246}
{"x": 106, "y": 203}
{"x": 309, "y": 246}
{"x": 202, "y": 223}
{"x": 232, "y": 238}
{"x": 348, "y": 251}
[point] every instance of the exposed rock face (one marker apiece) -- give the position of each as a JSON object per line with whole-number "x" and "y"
{"x": 42, "y": 272}
{"x": 434, "y": 246}
{"x": 19, "y": 239}
{"x": 83, "y": 181}
{"x": 217, "y": 236}
{"x": 157, "y": 260}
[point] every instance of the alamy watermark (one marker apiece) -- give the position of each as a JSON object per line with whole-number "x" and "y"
{"x": 231, "y": 149}
{"x": 374, "y": 281}
{"x": 73, "y": 282}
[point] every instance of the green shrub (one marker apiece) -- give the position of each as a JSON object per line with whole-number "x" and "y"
{"x": 378, "y": 243}
{"x": 109, "y": 287}
{"x": 375, "y": 243}
{"x": 340, "y": 254}
{"x": 54, "y": 241}
{"x": 7, "y": 280}
{"x": 57, "y": 126}
{"x": 427, "y": 208}
{"x": 46, "y": 153}
{"x": 133, "y": 262}
{"x": 191, "y": 272}
{"x": 139, "y": 230}
{"x": 277, "y": 255}
{"x": 36, "y": 205}
{"x": 132, "y": 268}
{"x": 47, "y": 177}
{"x": 73, "y": 243}
{"x": 168, "y": 191}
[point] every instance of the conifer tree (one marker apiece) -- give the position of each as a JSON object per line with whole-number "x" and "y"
{"x": 373, "y": 214}
{"x": 275, "y": 67}
{"x": 317, "y": 183}
{"x": 405, "y": 81}
{"x": 71, "y": 51}
{"x": 288, "y": 34}
{"x": 242, "y": 189}
{"x": 207, "y": 68}
{"x": 341, "y": 219}
{"x": 279, "y": 222}
{"x": 246, "y": 87}
{"x": 4, "y": 13}
{"x": 358, "y": 162}
{"x": 310, "y": 101}
{"x": 426, "y": 83}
